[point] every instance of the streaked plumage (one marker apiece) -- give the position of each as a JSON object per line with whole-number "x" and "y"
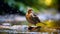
{"x": 31, "y": 17}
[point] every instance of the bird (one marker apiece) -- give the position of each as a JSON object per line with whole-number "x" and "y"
{"x": 31, "y": 17}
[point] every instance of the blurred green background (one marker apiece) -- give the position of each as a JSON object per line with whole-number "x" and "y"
{"x": 37, "y": 5}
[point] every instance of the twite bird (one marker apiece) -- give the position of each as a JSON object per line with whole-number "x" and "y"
{"x": 31, "y": 17}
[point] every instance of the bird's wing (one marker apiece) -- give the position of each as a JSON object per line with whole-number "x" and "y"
{"x": 35, "y": 18}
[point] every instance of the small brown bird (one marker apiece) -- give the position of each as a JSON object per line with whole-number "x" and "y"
{"x": 31, "y": 17}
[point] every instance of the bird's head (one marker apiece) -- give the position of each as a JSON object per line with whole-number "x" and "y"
{"x": 29, "y": 11}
